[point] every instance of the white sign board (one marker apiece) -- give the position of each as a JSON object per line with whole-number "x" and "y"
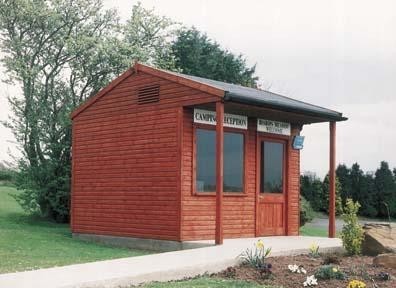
{"x": 230, "y": 120}
{"x": 275, "y": 127}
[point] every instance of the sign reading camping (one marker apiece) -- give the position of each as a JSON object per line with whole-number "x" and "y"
{"x": 230, "y": 120}
{"x": 275, "y": 127}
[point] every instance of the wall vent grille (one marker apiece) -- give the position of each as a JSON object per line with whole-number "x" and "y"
{"x": 148, "y": 94}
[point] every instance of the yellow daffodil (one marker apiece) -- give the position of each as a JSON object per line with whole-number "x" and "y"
{"x": 260, "y": 244}
{"x": 335, "y": 270}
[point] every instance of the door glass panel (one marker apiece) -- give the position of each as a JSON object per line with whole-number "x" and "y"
{"x": 271, "y": 167}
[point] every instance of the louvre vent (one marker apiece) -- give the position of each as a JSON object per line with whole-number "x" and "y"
{"x": 148, "y": 94}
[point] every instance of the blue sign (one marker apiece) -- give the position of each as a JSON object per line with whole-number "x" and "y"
{"x": 298, "y": 142}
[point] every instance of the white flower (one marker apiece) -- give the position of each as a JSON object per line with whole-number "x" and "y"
{"x": 297, "y": 269}
{"x": 311, "y": 281}
{"x": 293, "y": 268}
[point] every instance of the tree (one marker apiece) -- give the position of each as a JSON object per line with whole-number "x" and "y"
{"x": 326, "y": 196}
{"x": 343, "y": 173}
{"x": 394, "y": 175}
{"x": 151, "y": 36}
{"x": 312, "y": 190}
{"x": 60, "y": 53}
{"x": 367, "y": 195}
{"x": 198, "y": 55}
{"x": 385, "y": 187}
{"x": 356, "y": 174}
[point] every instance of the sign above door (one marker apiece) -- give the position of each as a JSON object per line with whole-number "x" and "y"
{"x": 230, "y": 120}
{"x": 275, "y": 127}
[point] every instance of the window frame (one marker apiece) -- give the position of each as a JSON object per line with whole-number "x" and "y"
{"x": 194, "y": 160}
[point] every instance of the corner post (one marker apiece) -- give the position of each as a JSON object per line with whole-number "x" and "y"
{"x": 332, "y": 180}
{"x": 219, "y": 172}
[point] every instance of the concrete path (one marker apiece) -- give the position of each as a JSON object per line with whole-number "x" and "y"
{"x": 323, "y": 223}
{"x": 159, "y": 267}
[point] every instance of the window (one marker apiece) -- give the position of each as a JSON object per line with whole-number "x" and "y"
{"x": 206, "y": 161}
{"x": 233, "y": 162}
{"x": 271, "y": 167}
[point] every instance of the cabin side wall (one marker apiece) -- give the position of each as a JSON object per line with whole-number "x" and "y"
{"x": 126, "y": 161}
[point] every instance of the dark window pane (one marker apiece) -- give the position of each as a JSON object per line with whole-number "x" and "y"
{"x": 205, "y": 160}
{"x": 271, "y": 167}
{"x": 233, "y": 162}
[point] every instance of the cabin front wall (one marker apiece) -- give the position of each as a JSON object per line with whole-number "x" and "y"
{"x": 240, "y": 211}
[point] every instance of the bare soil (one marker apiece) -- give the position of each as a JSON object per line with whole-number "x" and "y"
{"x": 356, "y": 267}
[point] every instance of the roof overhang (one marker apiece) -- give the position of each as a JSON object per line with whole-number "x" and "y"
{"x": 319, "y": 116}
{"x": 307, "y": 113}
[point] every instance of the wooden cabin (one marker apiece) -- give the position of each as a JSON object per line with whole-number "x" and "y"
{"x": 173, "y": 158}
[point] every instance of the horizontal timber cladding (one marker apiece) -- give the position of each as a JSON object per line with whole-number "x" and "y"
{"x": 293, "y": 199}
{"x": 199, "y": 211}
{"x": 126, "y": 169}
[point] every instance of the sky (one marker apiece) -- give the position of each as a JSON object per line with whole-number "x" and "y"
{"x": 333, "y": 53}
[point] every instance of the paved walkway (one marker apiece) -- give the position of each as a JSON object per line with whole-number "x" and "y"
{"x": 323, "y": 223}
{"x": 158, "y": 267}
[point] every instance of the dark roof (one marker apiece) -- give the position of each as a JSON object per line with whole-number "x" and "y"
{"x": 241, "y": 94}
{"x": 229, "y": 92}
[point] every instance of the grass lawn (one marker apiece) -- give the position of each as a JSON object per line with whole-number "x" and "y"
{"x": 205, "y": 282}
{"x": 313, "y": 231}
{"x": 28, "y": 242}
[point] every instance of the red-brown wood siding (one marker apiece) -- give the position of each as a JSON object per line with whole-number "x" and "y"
{"x": 293, "y": 197}
{"x": 239, "y": 211}
{"x": 126, "y": 161}
{"x": 199, "y": 211}
{"x": 133, "y": 169}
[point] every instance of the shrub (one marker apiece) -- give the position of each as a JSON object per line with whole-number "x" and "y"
{"x": 307, "y": 214}
{"x": 326, "y": 272}
{"x": 7, "y": 176}
{"x": 352, "y": 231}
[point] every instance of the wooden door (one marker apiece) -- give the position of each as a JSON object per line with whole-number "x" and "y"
{"x": 271, "y": 208}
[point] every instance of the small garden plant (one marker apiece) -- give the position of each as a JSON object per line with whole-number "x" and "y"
{"x": 383, "y": 276}
{"x": 310, "y": 281}
{"x": 327, "y": 272}
{"x": 314, "y": 250}
{"x": 352, "y": 231}
{"x": 356, "y": 284}
{"x": 256, "y": 258}
{"x": 297, "y": 269}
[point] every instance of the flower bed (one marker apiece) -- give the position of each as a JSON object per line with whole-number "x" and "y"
{"x": 340, "y": 269}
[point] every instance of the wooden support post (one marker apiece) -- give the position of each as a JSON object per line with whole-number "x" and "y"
{"x": 332, "y": 180}
{"x": 219, "y": 172}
